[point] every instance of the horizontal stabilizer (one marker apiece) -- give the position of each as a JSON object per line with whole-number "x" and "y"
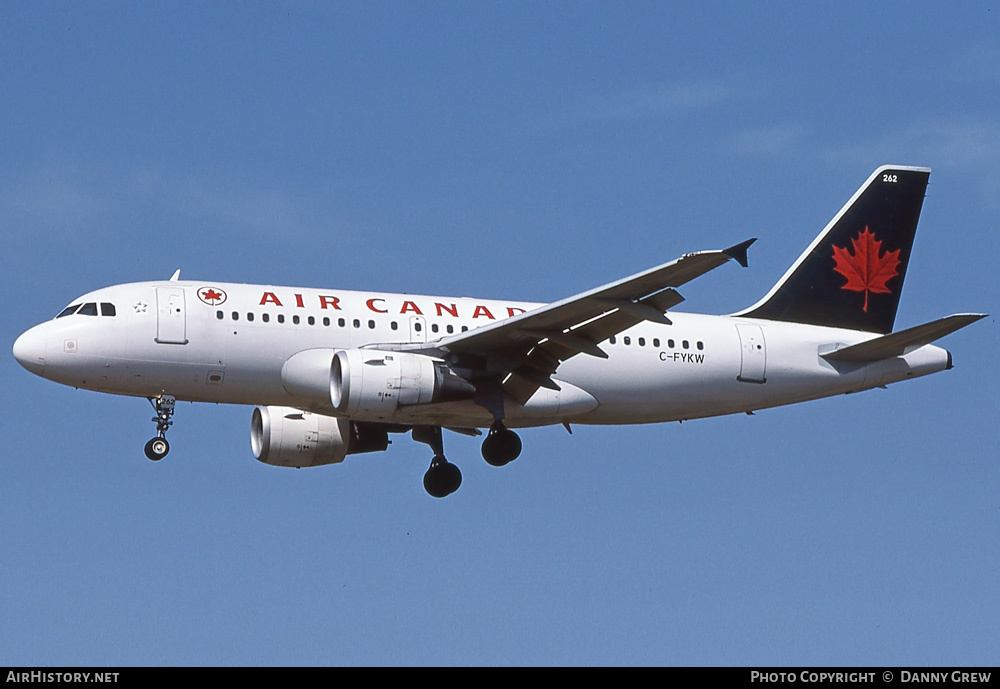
{"x": 897, "y": 344}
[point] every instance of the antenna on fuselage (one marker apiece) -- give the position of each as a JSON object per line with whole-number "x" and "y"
{"x": 176, "y": 276}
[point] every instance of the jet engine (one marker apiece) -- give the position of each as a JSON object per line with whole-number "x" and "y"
{"x": 287, "y": 437}
{"x": 369, "y": 383}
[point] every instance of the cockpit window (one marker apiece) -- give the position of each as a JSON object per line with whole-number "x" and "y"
{"x": 107, "y": 309}
{"x": 69, "y": 310}
{"x": 88, "y": 309}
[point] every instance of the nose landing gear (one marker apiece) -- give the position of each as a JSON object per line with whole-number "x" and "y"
{"x": 158, "y": 447}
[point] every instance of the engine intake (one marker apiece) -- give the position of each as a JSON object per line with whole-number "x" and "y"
{"x": 368, "y": 383}
{"x": 288, "y": 437}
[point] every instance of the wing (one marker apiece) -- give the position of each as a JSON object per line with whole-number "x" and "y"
{"x": 523, "y": 351}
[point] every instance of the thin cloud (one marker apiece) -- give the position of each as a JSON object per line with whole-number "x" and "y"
{"x": 659, "y": 100}
{"x": 777, "y": 140}
{"x": 948, "y": 141}
{"x": 966, "y": 145}
{"x": 69, "y": 198}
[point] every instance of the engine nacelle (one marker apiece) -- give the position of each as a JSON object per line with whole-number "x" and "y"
{"x": 369, "y": 383}
{"x": 287, "y": 437}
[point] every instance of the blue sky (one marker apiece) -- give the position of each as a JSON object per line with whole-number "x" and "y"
{"x": 512, "y": 150}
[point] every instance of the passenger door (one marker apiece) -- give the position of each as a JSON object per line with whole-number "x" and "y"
{"x": 171, "y": 319}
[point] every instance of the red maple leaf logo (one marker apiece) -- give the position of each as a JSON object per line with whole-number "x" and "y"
{"x": 866, "y": 271}
{"x": 211, "y": 296}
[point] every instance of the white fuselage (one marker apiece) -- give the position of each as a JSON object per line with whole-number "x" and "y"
{"x": 167, "y": 338}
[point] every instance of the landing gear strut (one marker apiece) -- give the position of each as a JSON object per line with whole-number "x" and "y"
{"x": 158, "y": 447}
{"x": 502, "y": 445}
{"x": 442, "y": 478}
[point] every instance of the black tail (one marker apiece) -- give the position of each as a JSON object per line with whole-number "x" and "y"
{"x": 852, "y": 274}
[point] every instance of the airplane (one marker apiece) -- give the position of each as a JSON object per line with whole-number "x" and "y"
{"x": 333, "y": 373}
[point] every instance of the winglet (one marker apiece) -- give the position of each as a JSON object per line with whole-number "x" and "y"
{"x": 738, "y": 252}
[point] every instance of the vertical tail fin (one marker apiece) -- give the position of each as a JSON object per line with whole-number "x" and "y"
{"x": 852, "y": 274}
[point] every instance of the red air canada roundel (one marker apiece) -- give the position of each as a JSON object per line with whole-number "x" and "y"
{"x": 213, "y": 296}
{"x": 866, "y": 271}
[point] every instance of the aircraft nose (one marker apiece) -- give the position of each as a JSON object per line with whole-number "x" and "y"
{"x": 29, "y": 350}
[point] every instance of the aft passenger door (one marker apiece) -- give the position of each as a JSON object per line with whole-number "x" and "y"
{"x": 753, "y": 354}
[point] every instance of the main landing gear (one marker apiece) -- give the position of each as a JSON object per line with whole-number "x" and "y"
{"x": 502, "y": 446}
{"x": 442, "y": 478}
{"x": 158, "y": 447}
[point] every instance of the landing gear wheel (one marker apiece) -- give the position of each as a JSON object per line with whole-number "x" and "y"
{"x": 502, "y": 446}
{"x": 157, "y": 448}
{"x": 442, "y": 478}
